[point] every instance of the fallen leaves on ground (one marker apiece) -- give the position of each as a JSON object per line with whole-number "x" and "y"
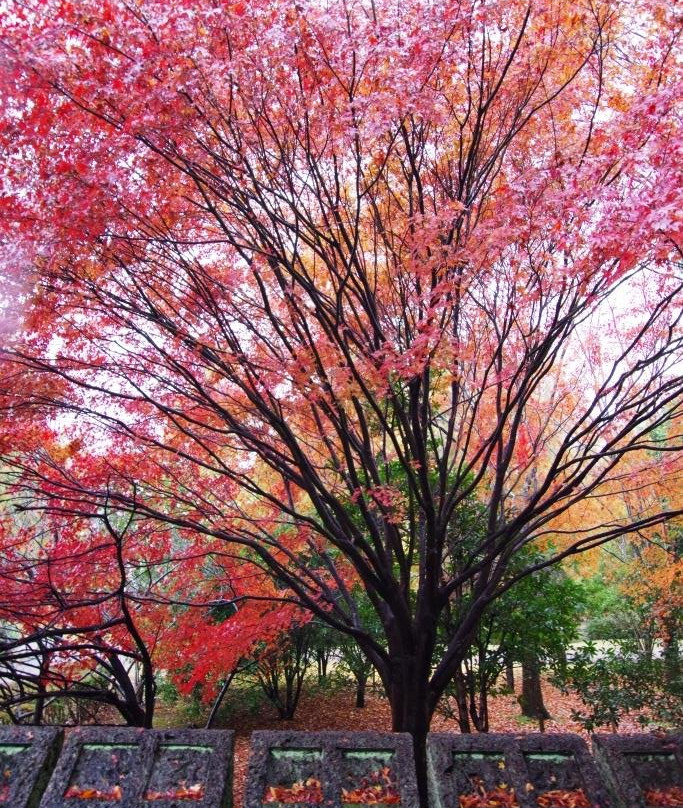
{"x": 309, "y": 790}
{"x": 182, "y": 792}
{"x": 377, "y": 788}
{"x": 86, "y": 793}
{"x": 335, "y": 711}
{"x": 502, "y": 796}
{"x": 563, "y": 798}
{"x": 672, "y": 796}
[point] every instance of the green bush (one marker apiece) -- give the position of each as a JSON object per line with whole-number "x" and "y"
{"x": 620, "y": 680}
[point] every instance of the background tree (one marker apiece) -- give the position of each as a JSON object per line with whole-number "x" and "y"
{"x": 351, "y": 655}
{"x": 73, "y": 628}
{"x": 281, "y": 669}
{"x": 635, "y": 611}
{"x": 304, "y": 247}
{"x": 619, "y": 680}
{"x": 537, "y": 619}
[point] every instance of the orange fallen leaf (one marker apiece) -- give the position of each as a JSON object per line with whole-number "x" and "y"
{"x": 501, "y": 797}
{"x": 181, "y": 792}
{"x": 300, "y": 791}
{"x": 671, "y": 796}
{"x": 563, "y": 798}
{"x": 376, "y": 788}
{"x": 89, "y": 793}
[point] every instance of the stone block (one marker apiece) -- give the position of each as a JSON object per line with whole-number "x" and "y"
{"x": 642, "y": 771}
{"x": 562, "y": 772}
{"x": 512, "y": 771}
{"x": 27, "y": 757}
{"x": 464, "y": 767}
{"x": 136, "y": 768}
{"x": 332, "y": 769}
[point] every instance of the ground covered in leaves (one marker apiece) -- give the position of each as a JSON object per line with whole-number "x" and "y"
{"x": 335, "y": 711}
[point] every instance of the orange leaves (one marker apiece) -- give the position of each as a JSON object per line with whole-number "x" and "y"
{"x": 501, "y": 796}
{"x": 309, "y": 790}
{"x": 669, "y": 796}
{"x": 370, "y": 795}
{"x": 63, "y": 452}
{"x": 563, "y": 798}
{"x": 113, "y": 794}
{"x": 182, "y": 792}
{"x": 377, "y": 788}
{"x": 504, "y": 797}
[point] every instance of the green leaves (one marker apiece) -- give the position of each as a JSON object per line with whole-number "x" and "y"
{"x": 617, "y": 679}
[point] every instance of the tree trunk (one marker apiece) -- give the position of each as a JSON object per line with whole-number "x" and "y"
{"x": 361, "y": 682}
{"x": 418, "y": 732}
{"x": 531, "y": 698}
{"x": 411, "y": 712}
{"x": 461, "y": 701}
{"x": 39, "y": 709}
{"x": 219, "y": 699}
{"x": 510, "y": 676}
{"x": 673, "y": 675}
{"x": 482, "y": 722}
{"x": 322, "y": 667}
{"x": 135, "y": 713}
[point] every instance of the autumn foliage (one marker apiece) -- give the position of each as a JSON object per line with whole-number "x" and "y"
{"x": 296, "y": 282}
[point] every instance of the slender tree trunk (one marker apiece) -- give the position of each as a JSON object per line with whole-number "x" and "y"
{"x": 673, "y": 674}
{"x": 461, "y": 701}
{"x": 483, "y": 710}
{"x": 361, "y": 683}
{"x": 148, "y": 682}
{"x": 510, "y": 676}
{"x": 134, "y": 713}
{"x": 531, "y": 699}
{"x": 39, "y": 709}
{"x": 322, "y": 668}
{"x": 219, "y": 699}
{"x": 479, "y": 706}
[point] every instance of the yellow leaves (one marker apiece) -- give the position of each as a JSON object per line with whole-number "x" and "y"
{"x": 378, "y": 158}
{"x": 619, "y": 101}
{"x": 63, "y": 452}
{"x": 92, "y": 269}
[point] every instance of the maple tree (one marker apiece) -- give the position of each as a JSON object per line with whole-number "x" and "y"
{"x": 638, "y": 607}
{"x": 73, "y": 628}
{"x": 654, "y": 582}
{"x": 305, "y": 279}
{"x": 91, "y": 608}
